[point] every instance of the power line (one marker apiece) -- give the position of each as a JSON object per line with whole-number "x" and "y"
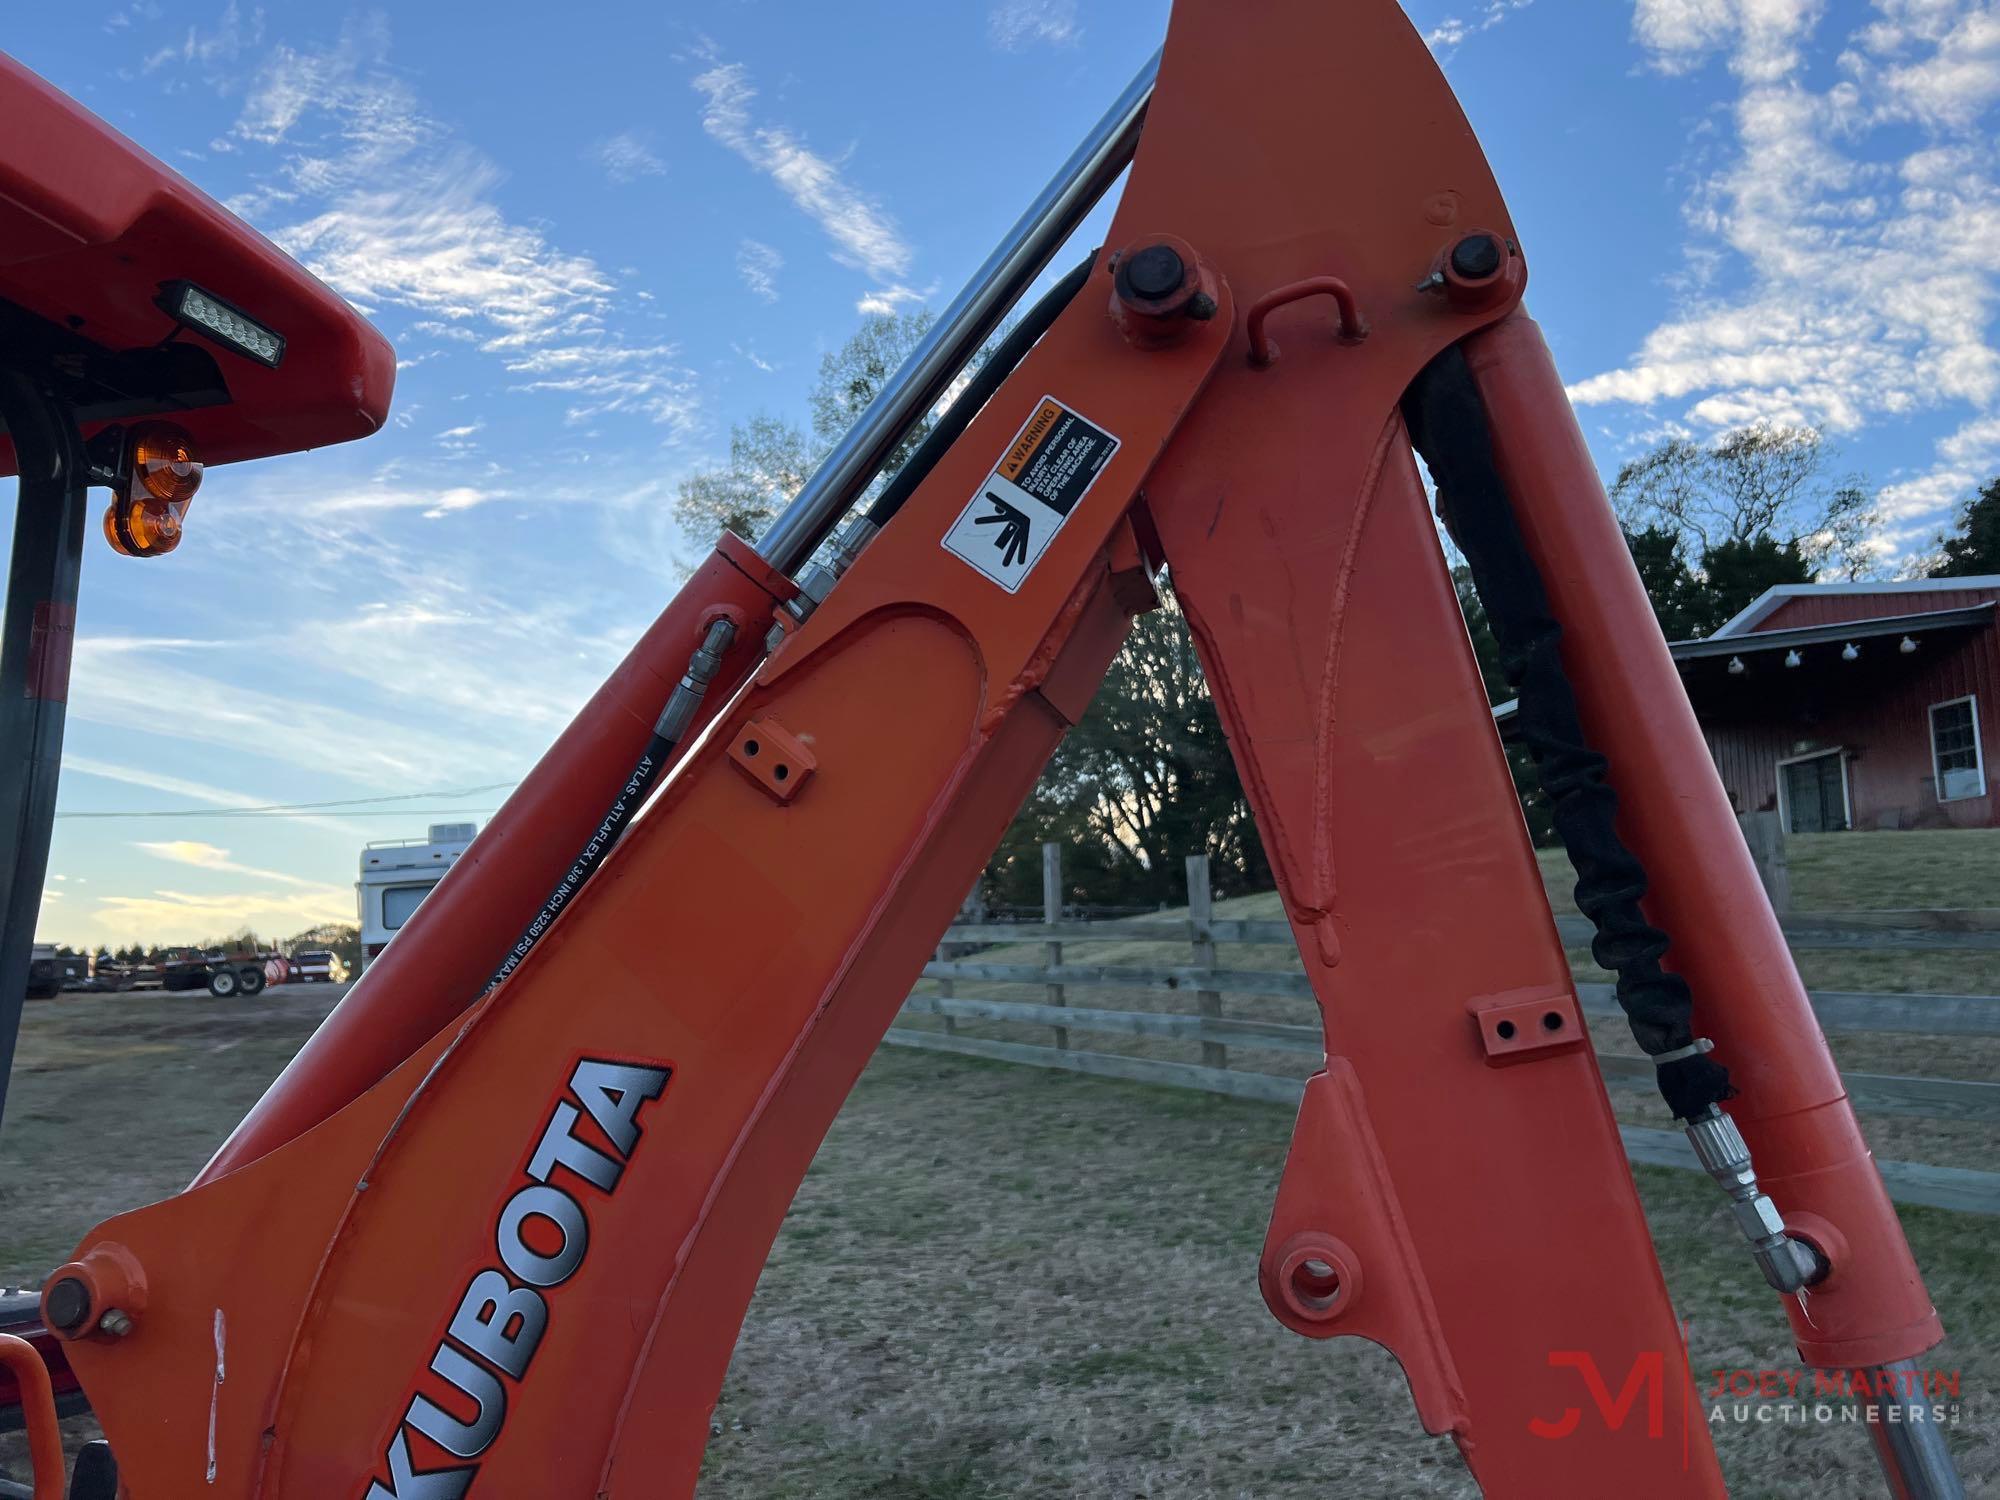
{"x": 257, "y": 817}
{"x": 274, "y": 809}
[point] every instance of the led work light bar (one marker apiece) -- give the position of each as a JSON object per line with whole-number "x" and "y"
{"x": 209, "y": 314}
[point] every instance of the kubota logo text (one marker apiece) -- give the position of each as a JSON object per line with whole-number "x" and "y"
{"x": 540, "y": 1239}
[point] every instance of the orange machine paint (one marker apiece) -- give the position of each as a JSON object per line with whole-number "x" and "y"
{"x": 594, "y": 1246}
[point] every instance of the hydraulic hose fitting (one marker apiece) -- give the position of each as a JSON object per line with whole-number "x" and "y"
{"x": 818, "y": 579}
{"x": 1789, "y": 1264}
{"x": 693, "y": 687}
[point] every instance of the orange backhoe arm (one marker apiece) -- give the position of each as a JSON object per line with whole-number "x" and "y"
{"x": 505, "y": 1250}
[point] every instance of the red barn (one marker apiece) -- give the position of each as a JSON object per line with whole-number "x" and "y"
{"x": 1855, "y": 705}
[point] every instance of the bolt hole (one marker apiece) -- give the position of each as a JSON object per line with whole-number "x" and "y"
{"x": 781, "y": 772}
{"x": 1317, "y": 1283}
{"x": 1505, "y": 1031}
{"x": 1552, "y": 1021}
{"x": 751, "y": 747}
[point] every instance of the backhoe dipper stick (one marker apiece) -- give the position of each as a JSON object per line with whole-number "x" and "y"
{"x": 1792, "y": 1110}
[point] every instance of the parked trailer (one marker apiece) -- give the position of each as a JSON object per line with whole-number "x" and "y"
{"x": 221, "y": 974}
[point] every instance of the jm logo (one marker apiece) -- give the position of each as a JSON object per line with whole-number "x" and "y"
{"x": 1648, "y": 1374}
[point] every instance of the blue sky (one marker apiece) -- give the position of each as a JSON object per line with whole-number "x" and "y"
{"x": 599, "y": 233}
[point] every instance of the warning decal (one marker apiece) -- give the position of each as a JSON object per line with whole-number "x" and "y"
{"x": 1051, "y": 465}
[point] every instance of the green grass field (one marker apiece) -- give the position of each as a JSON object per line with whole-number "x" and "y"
{"x": 996, "y": 1281}
{"x": 1000, "y": 1281}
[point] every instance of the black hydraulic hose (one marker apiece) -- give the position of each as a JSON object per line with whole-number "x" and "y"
{"x": 668, "y": 731}
{"x": 1006, "y": 357}
{"x": 1448, "y": 426}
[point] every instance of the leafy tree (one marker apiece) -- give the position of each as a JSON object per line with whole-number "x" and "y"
{"x": 1143, "y": 781}
{"x": 1735, "y": 572}
{"x": 1486, "y": 651}
{"x": 768, "y": 460}
{"x": 1711, "y": 527}
{"x": 1670, "y": 583}
{"x": 770, "y": 457}
{"x": 1973, "y": 547}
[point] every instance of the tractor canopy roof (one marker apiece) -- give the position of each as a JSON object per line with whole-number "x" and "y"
{"x": 138, "y": 294}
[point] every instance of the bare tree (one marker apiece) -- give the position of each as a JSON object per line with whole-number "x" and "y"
{"x": 1757, "y": 485}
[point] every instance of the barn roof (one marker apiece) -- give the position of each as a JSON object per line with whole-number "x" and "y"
{"x": 1710, "y": 656}
{"x": 1762, "y": 606}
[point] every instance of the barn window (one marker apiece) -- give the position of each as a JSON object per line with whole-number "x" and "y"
{"x": 1955, "y": 754}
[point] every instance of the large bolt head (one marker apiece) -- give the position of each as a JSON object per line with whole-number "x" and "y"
{"x": 68, "y": 1305}
{"x": 1155, "y": 272}
{"x": 1476, "y": 257}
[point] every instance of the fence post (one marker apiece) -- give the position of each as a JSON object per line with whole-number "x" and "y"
{"x": 1201, "y": 909}
{"x": 971, "y": 909}
{"x": 1766, "y": 837}
{"x": 1052, "y": 912}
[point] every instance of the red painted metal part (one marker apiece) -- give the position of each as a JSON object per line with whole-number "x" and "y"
{"x": 1352, "y": 327}
{"x": 90, "y": 228}
{"x": 755, "y": 948}
{"x": 444, "y": 956}
{"x": 1705, "y": 893}
{"x": 38, "y": 1413}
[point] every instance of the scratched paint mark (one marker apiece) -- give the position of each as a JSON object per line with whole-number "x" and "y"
{"x": 215, "y": 1394}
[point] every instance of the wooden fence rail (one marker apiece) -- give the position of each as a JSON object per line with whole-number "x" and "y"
{"x": 1209, "y": 983}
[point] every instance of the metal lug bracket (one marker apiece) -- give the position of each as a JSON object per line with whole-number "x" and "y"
{"x": 1514, "y": 1031}
{"x": 774, "y": 758}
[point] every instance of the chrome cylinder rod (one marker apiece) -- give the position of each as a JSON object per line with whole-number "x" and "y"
{"x": 964, "y": 326}
{"x": 1909, "y": 1440}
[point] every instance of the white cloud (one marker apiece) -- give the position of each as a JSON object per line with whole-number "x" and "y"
{"x": 184, "y": 916}
{"x": 1017, "y": 24}
{"x": 205, "y": 856}
{"x": 194, "y": 791}
{"x": 1935, "y": 63}
{"x": 382, "y": 203}
{"x": 1868, "y": 283}
{"x": 627, "y": 157}
{"x": 888, "y": 299}
{"x": 758, "y": 264}
{"x": 313, "y": 735}
{"x": 387, "y": 497}
{"x": 863, "y": 235}
{"x": 189, "y": 852}
{"x": 223, "y": 44}
{"x": 1453, "y": 30}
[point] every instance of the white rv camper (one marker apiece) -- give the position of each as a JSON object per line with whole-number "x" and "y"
{"x": 396, "y": 874}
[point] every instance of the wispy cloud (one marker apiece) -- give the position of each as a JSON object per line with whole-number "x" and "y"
{"x": 430, "y": 503}
{"x": 214, "y": 915}
{"x": 627, "y": 157}
{"x": 863, "y": 234}
{"x": 194, "y": 791}
{"x": 1015, "y": 25}
{"x": 1860, "y": 208}
{"x": 223, "y": 44}
{"x": 319, "y": 737}
{"x": 390, "y": 209}
{"x": 758, "y": 264}
{"x": 204, "y": 856}
{"x": 1453, "y": 30}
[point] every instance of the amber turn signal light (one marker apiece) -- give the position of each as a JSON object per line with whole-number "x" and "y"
{"x": 157, "y": 477}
